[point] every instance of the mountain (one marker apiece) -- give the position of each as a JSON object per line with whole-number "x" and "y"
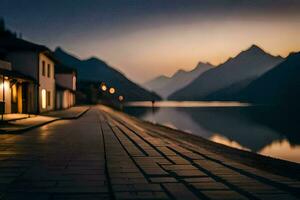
{"x": 165, "y": 86}
{"x": 280, "y": 85}
{"x": 96, "y": 70}
{"x": 248, "y": 64}
{"x": 157, "y": 83}
{"x": 229, "y": 93}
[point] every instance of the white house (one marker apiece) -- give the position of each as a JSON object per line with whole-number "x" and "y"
{"x": 37, "y": 62}
{"x": 14, "y": 90}
{"x": 65, "y": 86}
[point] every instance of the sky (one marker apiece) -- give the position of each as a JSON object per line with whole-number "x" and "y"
{"x": 147, "y": 38}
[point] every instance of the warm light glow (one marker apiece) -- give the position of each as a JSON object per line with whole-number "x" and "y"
{"x": 187, "y": 104}
{"x": 4, "y": 88}
{"x": 112, "y": 90}
{"x": 121, "y": 98}
{"x": 183, "y": 45}
{"x": 44, "y": 98}
{"x": 283, "y": 150}
{"x": 103, "y": 87}
{"x": 14, "y": 93}
{"x": 223, "y": 140}
{"x": 6, "y": 85}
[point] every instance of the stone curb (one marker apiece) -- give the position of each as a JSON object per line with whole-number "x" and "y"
{"x": 42, "y": 124}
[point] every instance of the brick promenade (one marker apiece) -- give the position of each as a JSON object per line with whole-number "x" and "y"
{"x": 105, "y": 155}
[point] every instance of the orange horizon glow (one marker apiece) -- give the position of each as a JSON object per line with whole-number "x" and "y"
{"x": 149, "y": 52}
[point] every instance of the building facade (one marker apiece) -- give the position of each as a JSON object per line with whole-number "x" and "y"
{"x": 66, "y": 78}
{"x": 37, "y": 62}
{"x": 15, "y": 93}
{"x": 46, "y": 83}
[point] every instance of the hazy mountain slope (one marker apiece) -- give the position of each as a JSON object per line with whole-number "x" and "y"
{"x": 280, "y": 85}
{"x": 252, "y": 62}
{"x": 229, "y": 93}
{"x": 165, "y": 86}
{"x": 96, "y": 70}
{"x": 157, "y": 83}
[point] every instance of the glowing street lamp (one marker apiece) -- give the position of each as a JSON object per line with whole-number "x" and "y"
{"x": 103, "y": 87}
{"x": 112, "y": 90}
{"x": 121, "y": 98}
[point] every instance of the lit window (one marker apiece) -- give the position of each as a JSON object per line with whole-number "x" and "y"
{"x": 44, "y": 99}
{"x": 43, "y": 68}
{"x": 14, "y": 93}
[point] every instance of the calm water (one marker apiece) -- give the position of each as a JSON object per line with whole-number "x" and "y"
{"x": 269, "y": 131}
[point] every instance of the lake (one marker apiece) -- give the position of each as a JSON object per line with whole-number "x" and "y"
{"x": 267, "y": 130}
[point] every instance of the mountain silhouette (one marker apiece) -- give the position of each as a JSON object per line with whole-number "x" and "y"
{"x": 247, "y": 65}
{"x": 280, "y": 85}
{"x": 96, "y": 70}
{"x": 165, "y": 86}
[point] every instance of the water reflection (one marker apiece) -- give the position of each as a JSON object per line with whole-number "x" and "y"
{"x": 270, "y": 131}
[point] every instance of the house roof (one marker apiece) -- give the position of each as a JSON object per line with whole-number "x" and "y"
{"x": 64, "y": 69}
{"x": 62, "y": 88}
{"x": 16, "y": 74}
{"x": 13, "y": 44}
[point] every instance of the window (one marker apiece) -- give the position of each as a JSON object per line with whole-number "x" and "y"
{"x": 48, "y": 70}
{"x": 43, "y": 68}
{"x": 44, "y": 103}
{"x": 48, "y": 98}
{"x": 14, "y": 93}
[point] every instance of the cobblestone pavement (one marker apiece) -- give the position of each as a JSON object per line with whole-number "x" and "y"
{"x": 105, "y": 155}
{"x": 70, "y": 113}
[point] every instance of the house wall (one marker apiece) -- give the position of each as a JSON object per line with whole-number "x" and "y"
{"x": 46, "y": 83}
{"x": 5, "y": 65}
{"x": 28, "y": 64}
{"x": 68, "y": 99}
{"x": 5, "y": 87}
{"x": 24, "y": 62}
{"x": 6, "y": 98}
{"x": 65, "y": 99}
{"x": 66, "y": 80}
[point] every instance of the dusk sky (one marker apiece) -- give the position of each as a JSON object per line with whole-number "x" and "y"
{"x": 146, "y": 38}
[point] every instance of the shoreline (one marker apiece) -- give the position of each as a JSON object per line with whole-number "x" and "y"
{"x": 252, "y": 159}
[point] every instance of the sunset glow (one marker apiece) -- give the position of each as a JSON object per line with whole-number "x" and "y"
{"x": 150, "y": 39}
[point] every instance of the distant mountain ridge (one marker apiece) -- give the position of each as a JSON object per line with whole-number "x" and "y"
{"x": 96, "y": 70}
{"x": 247, "y": 65}
{"x": 280, "y": 85}
{"x": 165, "y": 86}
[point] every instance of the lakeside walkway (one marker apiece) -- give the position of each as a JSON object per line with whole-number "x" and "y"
{"x": 107, "y": 155}
{"x": 18, "y": 123}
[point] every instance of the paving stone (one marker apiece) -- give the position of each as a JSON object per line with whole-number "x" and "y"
{"x": 223, "y": 195}
{"x": 74, "y": 160}
{"x": 25, "y": 196}
{"x": 213, "y": 185}
{"x": 178, "y": 160}
{"x": 189, "y": 173}
{"x": 198, "y": 179}
{"x": 128, "y": 180}
{"x": 179, "y": 191}
{"x": 141, "y": 195}
{"x": 80, "y": 197}
{"x": 179, "y": 167}
{"x": 137, "y": 187}
{"x": 163, "y": 180}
